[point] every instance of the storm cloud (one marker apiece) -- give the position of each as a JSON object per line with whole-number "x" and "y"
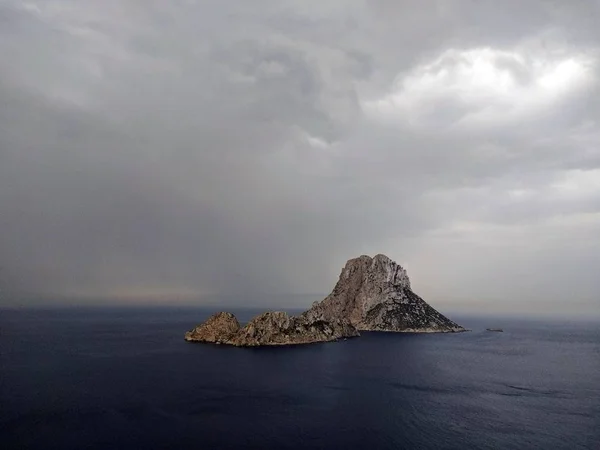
{"x": 188, "y": 148}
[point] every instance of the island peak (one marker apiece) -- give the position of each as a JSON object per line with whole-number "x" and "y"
{"x": 372, "y": 294}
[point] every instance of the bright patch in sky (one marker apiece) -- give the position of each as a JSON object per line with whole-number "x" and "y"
{"x": 562, "y": 75}
{"x": 480, "y": 86}
{"x": 579, "y": 183}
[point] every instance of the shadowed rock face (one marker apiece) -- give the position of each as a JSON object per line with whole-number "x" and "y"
{"x": 375, "y": 295}
{"x": 270, "y": 328}
{"x": 372, "y": 294}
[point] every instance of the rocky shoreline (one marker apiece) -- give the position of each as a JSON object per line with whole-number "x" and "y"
{"x": 270, "y": 328}
{"x": 372, "y": 294}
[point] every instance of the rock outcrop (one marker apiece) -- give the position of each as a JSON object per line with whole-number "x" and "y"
{"x": 270, "y": 328}
{"x": 375, "y": 295}
{"x": 372, "y": 294}
{"x": 220, "y": 327}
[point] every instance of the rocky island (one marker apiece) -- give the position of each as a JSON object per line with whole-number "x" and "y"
{"x": 269, "y": 328}
{"x": 372, "y": 294}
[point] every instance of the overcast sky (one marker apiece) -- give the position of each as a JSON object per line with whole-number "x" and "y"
{"x": 170, "y": 149}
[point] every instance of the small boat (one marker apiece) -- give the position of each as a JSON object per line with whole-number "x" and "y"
{"x": 498, "y": 330}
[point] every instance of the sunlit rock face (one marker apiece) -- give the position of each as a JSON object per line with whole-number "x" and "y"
{"x": 374, "y": 294}
{"x": 220, "y": 327}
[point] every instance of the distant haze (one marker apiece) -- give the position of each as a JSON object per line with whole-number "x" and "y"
{"x": 163, "y": 151}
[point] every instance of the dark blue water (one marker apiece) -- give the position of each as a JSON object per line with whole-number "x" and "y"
{"x": 124, "y": 379}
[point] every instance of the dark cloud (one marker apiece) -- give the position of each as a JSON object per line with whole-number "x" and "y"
{"x": 187, "y": 148}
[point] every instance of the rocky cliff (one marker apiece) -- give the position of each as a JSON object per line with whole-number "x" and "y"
{"x": 270, "y": 328}
{"x": 375, "y": 295}
{"x": 372, "y": 294}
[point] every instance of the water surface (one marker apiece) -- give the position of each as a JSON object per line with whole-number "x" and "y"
{"x": 124, "y": 378}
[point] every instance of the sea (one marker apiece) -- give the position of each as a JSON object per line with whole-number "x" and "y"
{"x": 124, "y": 378}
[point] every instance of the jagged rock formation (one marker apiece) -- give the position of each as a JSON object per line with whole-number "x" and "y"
{"x": 372, "y": 294}
{"x": 375, "y": 295}
{"x": 220, "y": 327}
{"x": 270, "y": 328}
